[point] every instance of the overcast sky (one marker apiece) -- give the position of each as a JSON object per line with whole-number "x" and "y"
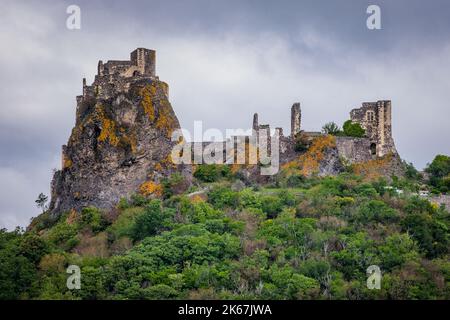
{"x": 223, "y": 60}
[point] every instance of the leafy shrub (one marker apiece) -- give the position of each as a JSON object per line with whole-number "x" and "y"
{"x": 271, "y": 205}
{"x": 175, "y": 184}
{"x": 331, "y": 128}
{"x": 91, "y": 217}
{"x": 353, "y": 129}
{"x": 151, "y": 221}
{"x": 431, "y": 234}
{"x": 376, "y": 211}
{"x": 64, "y": 235}
{"x": 249, "y": 199}
{"x": 212, "y": 172}
{"x": 398, "y": 249}
{"x": 439, "y": 172}
{"x": 124, "y": 223}
{"x": 221, "y": 197}
{"x": 302, "y": 142}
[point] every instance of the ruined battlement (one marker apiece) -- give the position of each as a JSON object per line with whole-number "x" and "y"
{"x": 376, "y": 119}
{"x": 118, "y": 76}
{"x": 142, "y": 62}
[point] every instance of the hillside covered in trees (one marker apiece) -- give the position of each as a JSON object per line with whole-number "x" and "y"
{"x": 295, "y": 238}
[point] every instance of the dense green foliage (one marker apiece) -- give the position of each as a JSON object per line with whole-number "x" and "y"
{"x": 303, "y": 238}
{"x": 353, "y": 129}
{"x": 439, "y": 171}
{"x": 211, "y": 172}
{"x": 331, "y": 128}
{"x": 302, "y": 142}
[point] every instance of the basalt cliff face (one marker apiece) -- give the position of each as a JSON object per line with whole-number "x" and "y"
{"x": 121, "y": 139}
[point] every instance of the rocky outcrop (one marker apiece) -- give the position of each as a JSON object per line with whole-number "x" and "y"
{"x": 121, "y": 142}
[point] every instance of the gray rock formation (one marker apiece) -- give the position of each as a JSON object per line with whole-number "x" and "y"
{"x": 121, "y": 139}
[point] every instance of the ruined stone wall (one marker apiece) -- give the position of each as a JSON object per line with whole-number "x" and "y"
{"x": 354, "y": 150}
{"x": 375, "y": 118}
{"x": 296, "y": 116}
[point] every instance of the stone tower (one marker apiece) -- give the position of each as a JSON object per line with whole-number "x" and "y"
{"x": 144, "y": 59}
{"x": 296, "y": 115}
{"x": 375, "y": 118}
{"x": 255, "y": 122}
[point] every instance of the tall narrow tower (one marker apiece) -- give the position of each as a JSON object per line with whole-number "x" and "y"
{"x": 296, "y": 116}
{"x": 255, "y": 122}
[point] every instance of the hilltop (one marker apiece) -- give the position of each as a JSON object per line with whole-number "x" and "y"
{"x": 140, "y": 225}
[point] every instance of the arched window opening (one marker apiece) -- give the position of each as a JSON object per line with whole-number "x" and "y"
{"x": 373, "y": 149}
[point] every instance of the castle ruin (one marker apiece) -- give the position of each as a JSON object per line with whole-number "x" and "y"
{"x": 121, "y": 141}
{"x": 375, "y": 118}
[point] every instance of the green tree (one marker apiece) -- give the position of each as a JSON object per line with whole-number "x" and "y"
{"x": 151, "y": 221}
{"x": 353, "y": 129}
{"x": 439, "y": 171}
{"x": 41, "y": 202}
{"x": 302, "y": 142}
{"x": 212, "y": 172}
{"x": 331, "y": 128}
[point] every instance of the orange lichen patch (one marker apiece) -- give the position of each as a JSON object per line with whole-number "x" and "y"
{"x": 166, "y": 120}
{"x": 67, "y": 163}
{"x": 151, "y": 188}
{"x": 197, "y": 198}
{"x": 235, "y": 168}
{"x": 147, "y": 93}
{"x": 108, "y": 132}
{"x": 308, "y": 163}
{"x": 158, "y": 167}
{"x": 167, "y": 162}
{"x": 129, "y": 141}
{"x": 72, "y": 217}
{"x": 373, "y": 169}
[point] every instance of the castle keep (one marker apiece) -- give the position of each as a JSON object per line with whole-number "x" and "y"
{"x": 121, "y": 142}
{"x": 375, "y": 118}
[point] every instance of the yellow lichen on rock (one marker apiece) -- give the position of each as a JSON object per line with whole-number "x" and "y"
{"x": 309, "y": 162}
{"x": 128, "y": 140}
{"x": 147, "y": 93}
{"x": 151, "y": 188}
{"x": 108, "y": 132}
{"x": 108, "y": 127}
{"x": 165, "y": 121}
{"x": 373, "y": 169}
{"x": 67, "y": 163}
{"x": 167, "y": 162}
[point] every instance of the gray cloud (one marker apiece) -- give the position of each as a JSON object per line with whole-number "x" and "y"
{"x": 223, "y": 61}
